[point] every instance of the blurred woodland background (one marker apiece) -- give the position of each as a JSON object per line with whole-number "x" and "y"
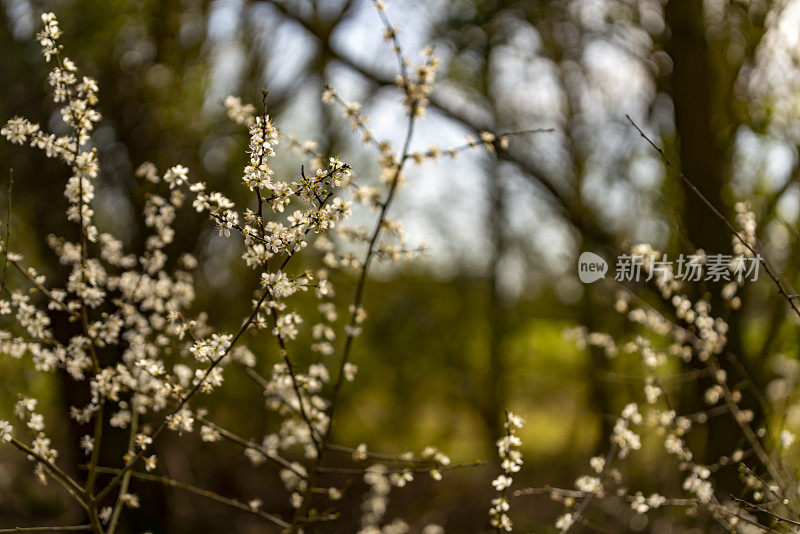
{"x": 477, "y": 326}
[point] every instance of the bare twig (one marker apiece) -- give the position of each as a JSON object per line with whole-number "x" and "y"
{"x": 763, "y": 510}
{"x": 612, "y": 451}
{"x": 123, "y": 488}
{"x": 198, "y": 491}
{"x": 419, "y": 470}
{"x": 64, "y": 479}
{"x": 790, "y": 295}
{"x": 247, "y": 444}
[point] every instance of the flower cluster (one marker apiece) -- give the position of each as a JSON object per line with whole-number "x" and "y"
{"x": 693, "y": 335}
{"x": 510, "y": 462}
{"x": 148, "y": 362}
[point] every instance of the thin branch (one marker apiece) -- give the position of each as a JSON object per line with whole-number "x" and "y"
{"x": 749, "y": 435}
{"x": 790, "y": 297}
{"x": 763, "y": 510}
{"x": 198, "y": 491}
{"x": 39, "y": 287}
{"x": 359, "y": 294}
{"x": 126, "y": 479}
{"x": 377, "y": 456}
{"x": 270, "y": 455}
{"x": 588, "y": 498}
{"x": 64, "y": 479}
{"x": 419, "y": 470}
